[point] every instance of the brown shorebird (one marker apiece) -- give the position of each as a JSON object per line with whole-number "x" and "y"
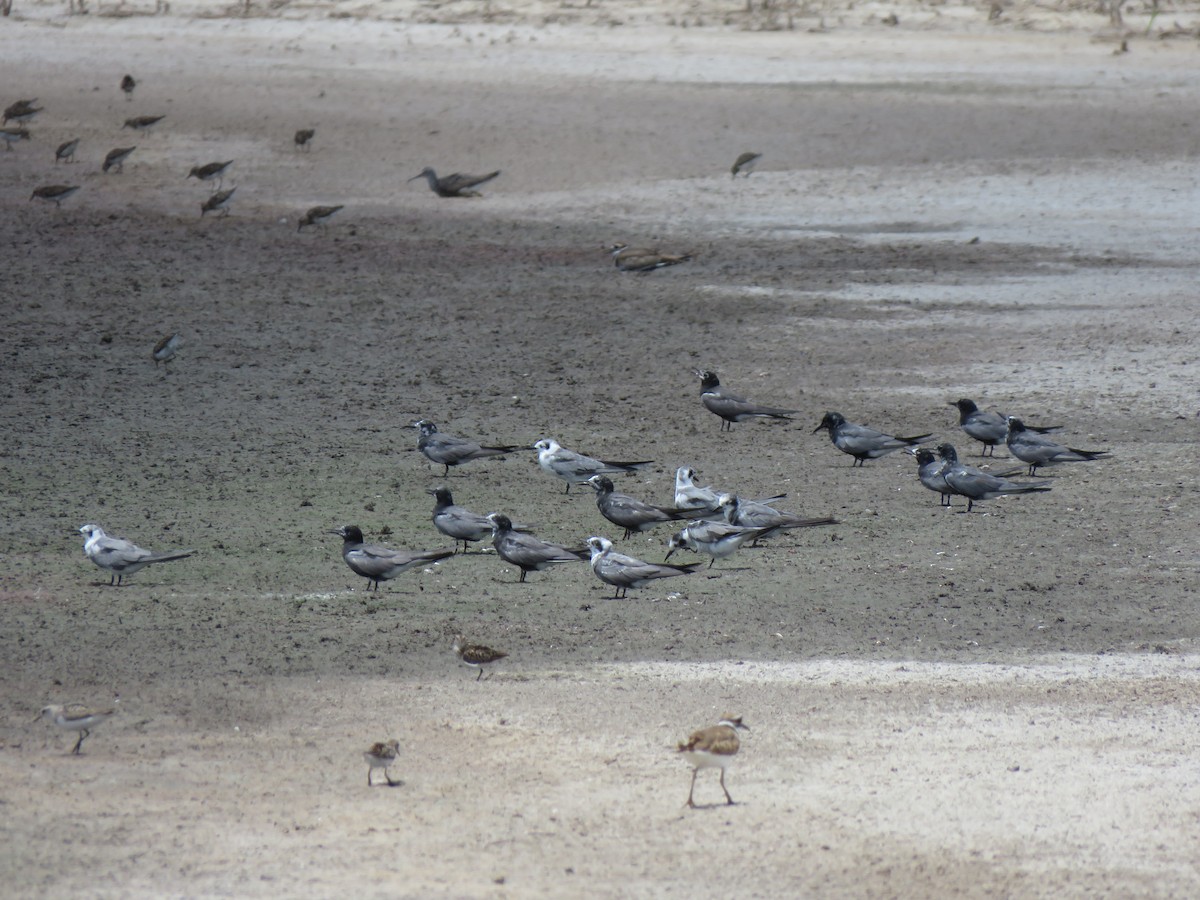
{"x": 117, "y": 158}
{"x": 318, "y": 215}
{"x": 142, "y": 123}
{"x": 302, "y": 138}
{"x": 74, "y": 717}
{"x": 642, "y": 259}
{"x": 127, "y": 85}
{"x": 381, "y": 756}
{"x": 476, "y": 655}
{"x": 10, "y": 136}
{"x": 211, "y": 170}
{"x": 66, "y": 151}
{"x": 745, "y": 164}
{"x": 456, "y": 185}
{"x": 21, "y": 111}
{"x": 713, "y": 747}
{"x": 54, "y": 193}
{"x": 219, "y": 200}
{"x": 165, "y": 349}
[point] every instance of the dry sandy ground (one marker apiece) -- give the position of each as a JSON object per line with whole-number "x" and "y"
{"x": 1001, "y": 703}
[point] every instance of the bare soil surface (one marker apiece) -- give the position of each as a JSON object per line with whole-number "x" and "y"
{"x": 999, "y": 703}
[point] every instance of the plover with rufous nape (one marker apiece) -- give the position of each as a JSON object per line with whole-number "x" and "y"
{"x": 74, "y": 717}
{"x": 713, "y": 748}
{"x": 382, "y": 755}
{"x": 476, "y": 655}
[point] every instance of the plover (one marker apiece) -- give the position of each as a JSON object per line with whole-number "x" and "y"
{"x": 526, "y": 552}
{"x": 66, "y": 151}
{"x": 643, "y": 259}
{"x": 21, "y": 111}
{"x": 861, "y": 442}
{"x": 713, "y": 747}
{"x": 987, "y": 427}
{"x": 74, "y": 717}
{"x": 219, "y": 200}
{"x": 303, "y": 137}
{"x": 54, "y": 193}
{"x": 127, "y": 85}
{"x": 381, "y": 756}
{"x": 11, "y": 136}
{"x": 575, "y": 468}
{"x": 977, "y": 485}
{"x": 449, "y": 450}
{"x": 1039, "y": 450}
{"x": 120, "y": 557}
{"x": 117, "y": 158}
{"x": 745, "y": 164}
{"x": 625, "y": 572}
{"x": 318, "y": 215}
{"x": 475, "y": 655}
{"x": 731, "y": 407}
{"x": 211, "y": 170}
{"x": 166, "y": 348}
{"x": 142, "y": 123}
{"x": 456, "y": 185}
{"x": 378, "y": 564}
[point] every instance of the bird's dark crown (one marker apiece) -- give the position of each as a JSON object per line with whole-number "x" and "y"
{"x": 947, "y": 451}
{"x": 352, "y": 533}
{"x": 965, "y": 406}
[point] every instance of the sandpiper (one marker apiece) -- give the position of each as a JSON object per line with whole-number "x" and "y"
{"x": 643, "y": 259}
{"x": 318, "y": 215}
{"x": 120, "y": 557}
{"x": 117, "y": 158}
{"x": 211, "y": 170}
{"x": 74, "y": 717}
{"x": 302, "y": 138}
{"x": 378, "y": 564}
{"x": 142, "y": 123}
{"x": 54, "y": 193}
{"x": 127, "y": 85}
{"x": 381, "y": 756}
{"x": 745, "y": 164}
{"x": 11, "y": 136}
{"x": 456, "y": 185}
{"x": 165, "y": 349}
{"x": 21, "y": 111}
{"x": 66, "y": 151}
{"x": 476, "y": 655}
{"x": 713, "y": 747}
{"x": 219, "y": 200}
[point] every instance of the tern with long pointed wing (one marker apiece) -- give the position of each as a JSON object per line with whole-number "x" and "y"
{"x": 450, "y": 450}
{"x": 625, "y": 572}
{"x": 977, "y": 485}
{"x": 1039, "y": 450}
{"x": 752, "y": 514}
{"x": 731, "y": 407}
{"x": 526, "y": 552}
{"x": 987, "y": 427}
{"x": 861, "y": 442}
{"x": 630, "y": 513}
{"x": 378, "y": 564}
{"x": 575, "y": 468}
{"x": 120, "y": 557}
{"x": 714, "y": 539}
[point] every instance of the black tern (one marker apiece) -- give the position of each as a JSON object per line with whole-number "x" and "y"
{"x": 932, "y": 472}
{"x": 476, "y": 655}
{"x": 752, "y": 514}
{"x": 575, "y": 468}
{"x": 439, "y": 447}
{"x": 976, "y": 485}
{"x": 1039, "y": 450}
{"x": 861, "y": 442}
{"x": 629, "y": 512}
{"x": 702, "y": 500}
{"x": 378, "y": 564}
{"x": 528, "y": 553}
{"x": 989, "y": 428}
{"x": 120, "y": 557}
{"x": 730, "y": 407}
{"x": 457, "y": 522}
{"x": 715, "y": 539}
{"x": 625, "y": 572}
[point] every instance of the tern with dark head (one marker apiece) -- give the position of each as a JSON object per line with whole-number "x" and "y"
{"x": 731, "y": 407}
{"x": 630, "y": 513}
{"x": 753, "y": 514}
{"x": 449, "y": 450}
{"x": 1039, "y": 450}
{"x": 378, "y": 564}
{"x": 526, "y": 552}
{"x": 861, "y": 442}
{"x": 977, "y": 485}
{"x": 987, "y": 427}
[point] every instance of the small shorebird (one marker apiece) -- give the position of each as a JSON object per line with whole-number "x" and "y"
{"x": 165, "y": 349}
{"x": 54, "y": 193}
{"x": 381, "y": 756}
{"x": 713, "y": 747}
{"x": 211, "y": 170}
{"x": 642, "y": 259}
{"x": 66, "y": 151}
{"x": 142, "y": 123}
{"x": 21, "y": 111}
{"x": 526, "y": 552}
{"x": 456, "y": 185}
{"x": 11, "y": 136}
{"x": 127, "y": 85}
{"x": 575, "y": 468}
{"x": 117, "y": 158}
{"x": 74, "y": 717}
{"x": 121, "y": 557}
{"x": 745, "y": 164}
{"x": 729, "y": 406}
{"x": 302, "y": 138}
{"x": 625, "y": 572}
{"x": 219, "y": 200}
{"x": 861, "y": 442}
{"x": 318, "y": 215}
{"x": 476, "y": 655}
{"x": 378, "y": 564}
